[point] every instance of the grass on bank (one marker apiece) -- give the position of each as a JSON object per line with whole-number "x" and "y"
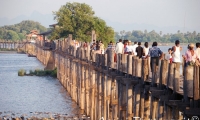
{"x": 6, "y": 49}
{"x": 37, "y": 72}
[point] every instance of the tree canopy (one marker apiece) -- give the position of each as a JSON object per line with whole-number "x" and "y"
{"x": 78, "y": 19}
{"x": 140, "y": 36}
{"x": 20, "y": 30}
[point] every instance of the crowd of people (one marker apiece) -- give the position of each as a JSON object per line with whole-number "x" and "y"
{"x": 191, "y": 56}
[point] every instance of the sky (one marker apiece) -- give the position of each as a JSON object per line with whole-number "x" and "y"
{"x": 182, "y": 14}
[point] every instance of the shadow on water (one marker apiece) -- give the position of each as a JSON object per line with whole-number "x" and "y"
{"x": 31, "y": 95}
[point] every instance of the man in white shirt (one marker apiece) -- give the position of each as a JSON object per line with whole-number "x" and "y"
{"x": 119, "y": 47}
{"x": 198, "y": 51}
{"x": 134, "y": 48}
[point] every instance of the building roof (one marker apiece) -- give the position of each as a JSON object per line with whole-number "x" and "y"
{"x": 53, "y": 25}
{"x": 45, "y": 33}
{"x": 34, "y": 31}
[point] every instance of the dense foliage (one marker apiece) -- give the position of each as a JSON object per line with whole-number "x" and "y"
{"x": 137, "y": 35}
{"x": 20, "y": 30}
{"x": 78, "y": 19}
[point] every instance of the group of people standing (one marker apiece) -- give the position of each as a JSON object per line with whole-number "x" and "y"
{"x": 97, "y": 46}
{"x": 191, "y": 56}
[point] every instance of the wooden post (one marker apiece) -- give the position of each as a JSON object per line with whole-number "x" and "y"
{"x": 154, "y": 70}
{"x": 196, "y": 86}
{"x": 129, "y": 101}
{"x": 170, "y": 76}
{"x": 105, "y": 60}
{"x": 123, "y": 63}
{"x": 145, "y": 70}
{"x": 100, "y": 98}
{"x": 119, "y": 60}
{"x": 188, "y": 82}
{"x": 161, "y": 74}
{"x": 119, "y": 98}
{"x": 110, "y": 58}
{"x": 164, "y": 73}
{"x": 160, "y": 110}
{"x": 142, "y": 104}
{"x": 147, "y": 105}
{"x": 169, "y": 113}
{"x": 82, "y": 88}
{"x": 108, "y": 95}
{"x": 129, "y": 64}
{"x": 137, "y": 100}
{"x": 123, "y": 101}
{"x": 96, "y": 96}
{"x": 139, "y": 68}
{"x": 105, "y": 96}
{"x": 115, "y": 99}
{"x": 176, "y": 77}
{"x": 92, "y": 112}
{"x": 87, "y": 76}
{"x": 154, "y": 107}
{"x": 133, "y": 66}
{"x": 74, "y": 81}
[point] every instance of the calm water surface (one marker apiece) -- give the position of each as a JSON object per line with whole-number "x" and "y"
{"x": 30, "y": 94}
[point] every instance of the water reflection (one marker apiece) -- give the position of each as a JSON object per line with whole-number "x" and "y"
{"x": 30, "y": 95}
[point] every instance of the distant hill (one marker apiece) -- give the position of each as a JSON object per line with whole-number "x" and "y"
{"x": 44, "y": 19}
{"x": 20, "y": 30}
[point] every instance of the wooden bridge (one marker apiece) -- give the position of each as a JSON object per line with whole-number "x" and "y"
{"x": 19, "y": 46}
{"x": 123, "y": 90}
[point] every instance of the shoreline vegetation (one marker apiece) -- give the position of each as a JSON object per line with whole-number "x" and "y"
{"x": 6, "y": 49}
{"x": 38, "y": 72}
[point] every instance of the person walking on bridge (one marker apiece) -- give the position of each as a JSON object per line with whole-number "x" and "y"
{"x": 139, "y": 50}
{"x": 134, "y": 48}
{"x": 119, "y": 47}
{"x": 176, "y": 54}
{"x": 155, "y": 53}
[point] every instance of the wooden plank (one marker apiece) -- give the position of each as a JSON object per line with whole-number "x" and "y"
{"x": 157, "y": 93}
{"x": 192, "y": 112}
{"x": 173, "y": 102}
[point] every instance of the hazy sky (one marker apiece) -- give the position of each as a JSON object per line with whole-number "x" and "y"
{"x": 161, "y": 13}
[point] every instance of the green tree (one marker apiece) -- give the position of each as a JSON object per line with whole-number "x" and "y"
{"x": 104, "y": 33}
{"x": 21, "y": 36}
{"x": 12, "y": 35}
{"x": 78, "y": 19}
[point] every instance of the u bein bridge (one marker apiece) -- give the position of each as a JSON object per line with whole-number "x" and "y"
{"x": 110, "y": 90}
{"x": 19, "y": 46}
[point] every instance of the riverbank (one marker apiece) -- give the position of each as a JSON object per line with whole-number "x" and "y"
{"x": 8, "y": 52}
{"x": 9, "y": 115}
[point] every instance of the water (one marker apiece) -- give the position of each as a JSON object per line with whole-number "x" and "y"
{"x": 165, "y": 49}
{"x": 30, "y": 95}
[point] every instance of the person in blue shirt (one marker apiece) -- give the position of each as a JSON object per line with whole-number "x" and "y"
{"x": 155, "y": 53}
